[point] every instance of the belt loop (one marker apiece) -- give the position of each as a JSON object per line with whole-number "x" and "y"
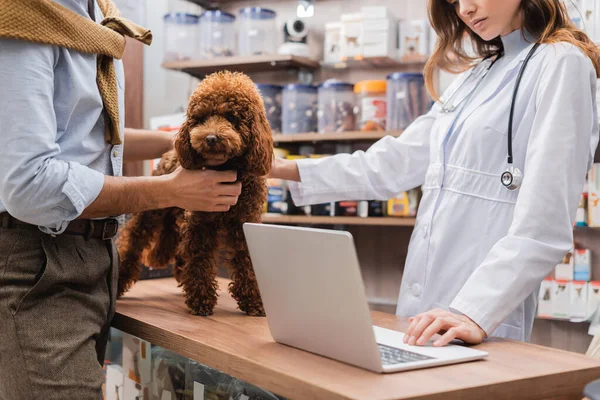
{"x": 6, "y": 220}
{"x": 90, "y": 231}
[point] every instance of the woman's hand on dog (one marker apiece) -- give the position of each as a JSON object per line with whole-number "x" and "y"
{"x": 203, "y": 190}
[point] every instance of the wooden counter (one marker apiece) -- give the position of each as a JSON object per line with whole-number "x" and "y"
{"x": 242, "y": 346}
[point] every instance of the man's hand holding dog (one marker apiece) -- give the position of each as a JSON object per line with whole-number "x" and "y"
{"x": 204, "y": 190}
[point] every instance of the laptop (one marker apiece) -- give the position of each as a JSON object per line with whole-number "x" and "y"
{"x": 314, "y": 298}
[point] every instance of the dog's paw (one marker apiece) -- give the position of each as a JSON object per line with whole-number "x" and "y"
{"x": 201, "y": 312}
{"x": 254, "y": 310}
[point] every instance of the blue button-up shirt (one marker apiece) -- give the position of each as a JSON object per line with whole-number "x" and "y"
{"x": 54, "y": 156}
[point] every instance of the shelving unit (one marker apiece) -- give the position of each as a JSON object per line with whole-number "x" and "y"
{"x": 246, "y": 64}
{"x": 333, "y": 137}
{"x": 375, "y": 62}
{"x": 315, "y": 220}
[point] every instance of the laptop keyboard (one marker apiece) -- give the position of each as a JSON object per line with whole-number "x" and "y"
{"x": 392, "y": 355}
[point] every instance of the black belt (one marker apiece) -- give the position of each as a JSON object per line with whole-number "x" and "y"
{"x": 104, "y": 229}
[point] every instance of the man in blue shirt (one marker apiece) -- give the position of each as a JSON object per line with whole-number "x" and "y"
{"x": 60, "y": 183}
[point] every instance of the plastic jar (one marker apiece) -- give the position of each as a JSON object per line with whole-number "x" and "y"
{"x": 371, "y": 101}
{"x": 336, "y": 107}
{"x": 407, "y": 99}
{"x": 217, "y": 34}
{"x": 271, "y": 95}
{"x": 257, "y": 31}
{"x": 181, "y": 35}
{"x": 299, "y": 109}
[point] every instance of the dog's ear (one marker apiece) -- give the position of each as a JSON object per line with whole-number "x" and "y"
{"x": 260, "y": 148}
{"x": 183, "y": 147}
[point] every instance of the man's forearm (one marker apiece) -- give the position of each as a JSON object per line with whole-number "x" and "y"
{"x": 146, "y": 145}
{"x": 121, "y": 195}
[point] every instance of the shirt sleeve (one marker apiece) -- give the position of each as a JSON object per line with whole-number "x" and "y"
{"x": 389, "y": 167}
{"x": 35, "y": 186}
{"x": 559, "y": 153}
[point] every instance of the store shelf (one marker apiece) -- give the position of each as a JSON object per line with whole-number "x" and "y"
{"x": 333, "y": 137}
{"x": 247, "y": 64}
{"x": 314, "y": 220}
{"x": 377, "y": 62}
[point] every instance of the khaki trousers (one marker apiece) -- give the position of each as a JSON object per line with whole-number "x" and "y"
{"x": 57, "y": 298}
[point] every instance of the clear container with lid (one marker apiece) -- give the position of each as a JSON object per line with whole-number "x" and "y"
{"x": 336, "y": 107}
{"x": 257, "y": 31}
{"x": 271, "y": 95}
{"x": 181, "y": 35}
{"x": 217, "y": 34}
{"x": 299, "y": 109}
{"x": 407, "y": 99}
{"x": 372, "y": 105}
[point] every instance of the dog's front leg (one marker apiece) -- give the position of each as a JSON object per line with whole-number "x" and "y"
{"x": 198, "y": 252}
{"x": 244, "y": 287}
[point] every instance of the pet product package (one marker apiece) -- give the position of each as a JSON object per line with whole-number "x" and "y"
{"x": 564, "y": 270}
{"x": 413, "y": 40}
{"x": 561, "y": 299}
{"x": 137, "y": 359}
{"x": 332, "y": 52}
{"x": 352, "y": 48}
{"x": 579, "y": 296}
{"x": 379, "y": 32}
{"x": 593, "y": 298}
{"x": 582, "y": 265}
{"x": 594, "y": 196}
{"x": 114, "y": 382}
{"x": 545, "y": 299}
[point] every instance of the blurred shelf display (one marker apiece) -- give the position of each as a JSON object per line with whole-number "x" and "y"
{"x": 315, "y": 220}
{"x": 247, "y": 64}
{"x": 333, "y": 137}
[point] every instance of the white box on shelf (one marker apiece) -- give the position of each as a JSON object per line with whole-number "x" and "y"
{"x": 379, "y": 38}
{"x": 332, "y": 52}
{"x": 561, "y": 299}
{"x": 137, "y": 359}
{"x": 579, "y": 300}
{"x": 413, "y": 40}
{"x": 352, "y": 47}
{"x": 545, "y": 299}
{"x": 114, "y": 382}
{"x": 564, "y": 270}
{"x": 582, "y": 265}
{"x": 594, "y": 196}
{"x": 593, "y": 297}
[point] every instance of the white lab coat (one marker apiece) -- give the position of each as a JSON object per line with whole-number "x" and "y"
{"x": 478, "y": 248}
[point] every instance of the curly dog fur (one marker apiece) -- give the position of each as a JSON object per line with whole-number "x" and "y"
{"x": 226, "y": 129}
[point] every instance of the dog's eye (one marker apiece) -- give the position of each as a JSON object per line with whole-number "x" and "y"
{"x": 231, "y": 118}
{"x": 200, "y": 120}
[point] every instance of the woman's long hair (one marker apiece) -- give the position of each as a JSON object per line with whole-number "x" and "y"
{"x": 546, "y": 20}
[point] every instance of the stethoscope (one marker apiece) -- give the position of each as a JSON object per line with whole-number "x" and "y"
{"x": 512, "y": 177}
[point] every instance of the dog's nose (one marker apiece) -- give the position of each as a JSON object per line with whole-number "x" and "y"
{"x": 212, "y": 140}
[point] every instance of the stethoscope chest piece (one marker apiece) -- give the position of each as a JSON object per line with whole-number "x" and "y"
{"x": 512, "y": 178}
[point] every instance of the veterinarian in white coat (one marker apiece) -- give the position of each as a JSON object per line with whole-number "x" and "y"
{"x": 479, "y": 251}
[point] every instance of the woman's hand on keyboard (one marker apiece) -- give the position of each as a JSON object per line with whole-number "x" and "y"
{"x": 451, "y": 326}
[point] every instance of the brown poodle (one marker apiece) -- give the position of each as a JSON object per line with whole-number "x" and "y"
{"x": 226, "y": 129}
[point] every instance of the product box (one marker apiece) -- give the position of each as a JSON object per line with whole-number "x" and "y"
{"x": 352, "y": 44}
{"x": 582, "y": 265}
{"x": 593, "y": 297}
{"x": 399, "y": 206}
{"x": 277, "y": 196}
{"x": 379, "y": 32}
{"x": 564, "y": 270}
{"x": 332, "y": 52}
{"x": 346, "y": 208}
{"x": 377, "y": 208}
{"x": 581, "y": 218}
{"x": 137, "y": 360}
{"x": 545, "y": 299}
{"x": 114, "y": 382}
{"x": 561, "y": 299}
{"x": 594, "y": 196}
{"x": 413, "y": 39}
{"x": 579, "y": 299}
